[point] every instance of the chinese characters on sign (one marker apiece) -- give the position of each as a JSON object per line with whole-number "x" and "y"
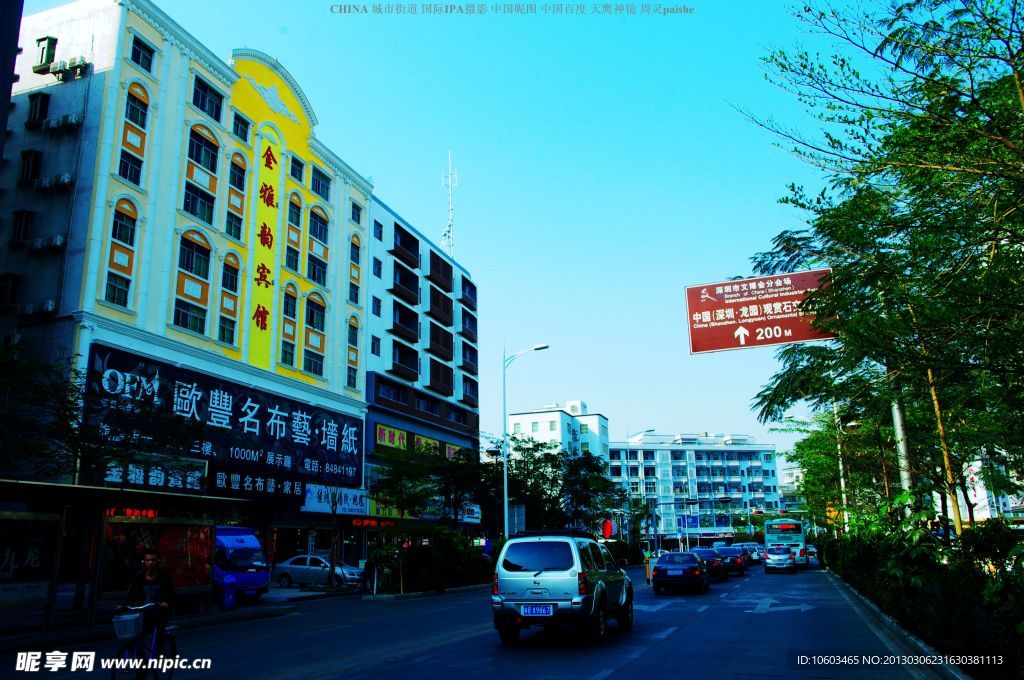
{"x": 262, "y": 300}
{"x": 752, "y": 312}
{"x": 256, "y": 443}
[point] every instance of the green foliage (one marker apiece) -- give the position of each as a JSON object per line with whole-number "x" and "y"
{"x": 962, "y": 599}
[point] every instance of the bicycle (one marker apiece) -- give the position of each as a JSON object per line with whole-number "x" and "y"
{"x": 137, "y": 644}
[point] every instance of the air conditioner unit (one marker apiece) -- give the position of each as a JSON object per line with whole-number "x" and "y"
{"x": 58, "y": 66}
{"x": 47, "y": 306}
{"x": 65, "y": 179}
{"x": 44, "y": 183}
{"x": 51, "y": 123}
{"x": 73, "y": 120}
{"x": 73, "y": 62}
{"x": 57, "y": 241}
{"x": 36, "y": 244}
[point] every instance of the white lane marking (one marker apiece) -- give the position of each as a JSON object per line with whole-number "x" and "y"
{"x": 603, "y": 674}
{"x": 724, "y": 595}
{"x": 665, "y": 633}
{"x": 735, "y": 587}
{"x": 704, "y": 608}
{"x": 656, "y": 607}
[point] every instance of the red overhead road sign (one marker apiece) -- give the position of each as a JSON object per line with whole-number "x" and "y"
{"x": 752, "y": 312}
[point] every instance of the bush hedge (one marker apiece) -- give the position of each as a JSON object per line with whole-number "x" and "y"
{"x": 963, "y": 599}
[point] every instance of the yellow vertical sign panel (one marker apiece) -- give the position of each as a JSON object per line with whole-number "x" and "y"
{"x": 262, "y": 315}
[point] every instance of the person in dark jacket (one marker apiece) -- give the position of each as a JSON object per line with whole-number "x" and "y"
{"x": 151, "y": 585}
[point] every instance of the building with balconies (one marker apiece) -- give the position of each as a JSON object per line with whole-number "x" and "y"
{"x": 700, "y": 485}
{"x": 422, "y": 366}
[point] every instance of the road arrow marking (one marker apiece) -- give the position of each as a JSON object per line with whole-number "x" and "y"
{"x": 764, "y": 606}
{"x": 742, "y": 334}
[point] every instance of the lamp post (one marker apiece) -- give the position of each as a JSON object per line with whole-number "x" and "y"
{"x": 686, "y": 518}
{"x": 506, "y": 360}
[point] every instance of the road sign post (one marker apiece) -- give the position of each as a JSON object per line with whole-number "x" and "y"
{"x": 752, "y": 312}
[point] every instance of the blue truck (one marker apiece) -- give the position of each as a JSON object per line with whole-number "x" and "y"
{"x": 239, "y": 554}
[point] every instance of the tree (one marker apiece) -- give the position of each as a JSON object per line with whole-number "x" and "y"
{"x": 920, "y": 136}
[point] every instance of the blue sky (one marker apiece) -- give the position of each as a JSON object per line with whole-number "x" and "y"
{"x": 602, "y": 168}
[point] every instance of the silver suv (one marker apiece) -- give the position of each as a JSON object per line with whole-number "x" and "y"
{"x": 559, "y": 577}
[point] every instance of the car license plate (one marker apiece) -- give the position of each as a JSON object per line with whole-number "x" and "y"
{"x": 536, "y": 610}
{"x": 675, "y": 572}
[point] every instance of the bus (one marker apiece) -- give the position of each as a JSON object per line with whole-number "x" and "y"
{"x": 787, "y": 533}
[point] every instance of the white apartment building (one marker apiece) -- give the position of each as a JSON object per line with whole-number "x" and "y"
{"x": 575, "y": 430}
{"x": 701, "y": 484}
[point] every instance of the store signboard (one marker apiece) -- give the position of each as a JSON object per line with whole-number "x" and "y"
{"x": 246, "y": 442}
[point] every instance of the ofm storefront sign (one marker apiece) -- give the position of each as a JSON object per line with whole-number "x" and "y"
{"x": 247, "y": 442}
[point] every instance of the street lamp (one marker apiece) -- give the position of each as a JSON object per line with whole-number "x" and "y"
{"x": 506, "y": 360}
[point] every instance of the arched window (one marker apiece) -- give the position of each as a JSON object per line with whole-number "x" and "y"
{"x": 202, "y": 148}
{"x": 354, "y": 249}
{"x": 318, "y": 225}
{"x": 353, "y": 332}
{"x": 316, "y": 325}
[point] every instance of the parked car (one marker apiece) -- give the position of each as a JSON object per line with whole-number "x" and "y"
{"x": 779, "y": 559}
{"x": 734, "y": 562}
{"x": 714, "y": 562}
{"x": 678, "y": 570}
{"x": 311, "y": 568}
{"x": 811, "y": 551}
{"x": 559, "y": 577}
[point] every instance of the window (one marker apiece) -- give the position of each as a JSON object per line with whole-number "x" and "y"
{"x": 288, "y": 353}
{"x": 294, "y": 214}
{"x": 226, "y": 330}
{"x": 614, "y": 455}
{"x": 296, "y": 168}
{"x": 240, "y": 128}
{"x": 357, "y": 213}
{"x": 46, "y": 49}
{"x": 316, "y": 270}
{"x": 142, "y": 54}
{"x": 206, "y": 99}
{"x": 378, "y": 268}
{"x": 378, "y": 230}
{"x": 584, "y": 429}
{"x": 136, "y": 110}
{"x": 291, "y": 258}
{"x": 535, "y": 427}
{"x": 315, "y": 315}
{"x": 517, "y": 428}
{"x": 353, "y": 335}
{"x": 38, "y": 105}
{"x": 353, "y": 252}
{"x": 24, "y": 225}
{"x": 189, "y": 316}
{"x": 194, "y": 258}
{"x": 229, "y": 278}
{"x": 117, "y": 290}
{"x": 123, "y": 229}
{"x": 350, "y": 376}
{"x": 650, "y": 487}
{"x": 233, "y": 225}
{"x": 616, "y": 471}
{"x": 375, "y": 306}
{"x": 353, "y": 293}
{"x": 130, "y": 167}
{"x": 202, "y": 151}
{"x": 31, "y": 165}
{"x": 317, "y": 226}
{"x": 198, "y": 203}
{"x": 469, "y": 387}
{"x": 552, "y": 426}
{"x": 290, "y": 305}
{"x": 375, "y": 346}
{"x": 313, "y": 362}
{"x": 321, "y": 184}
{"x": 236, "y": 177}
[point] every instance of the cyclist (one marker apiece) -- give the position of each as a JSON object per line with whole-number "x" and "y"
{"x": 151, "y": 585}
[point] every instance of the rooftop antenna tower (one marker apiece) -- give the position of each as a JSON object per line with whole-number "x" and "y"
{"x": 449, "y": 181}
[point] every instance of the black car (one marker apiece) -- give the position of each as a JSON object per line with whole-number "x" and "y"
{"x": 714, "y": 562}
{"x": 734, "y": 562}
{"x": 678, "y": 570}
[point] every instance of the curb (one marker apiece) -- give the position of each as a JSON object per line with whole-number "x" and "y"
{"x": 947, "y": 671}
{"x": 103, "y": 632}
{"x": 390, "y": 597}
